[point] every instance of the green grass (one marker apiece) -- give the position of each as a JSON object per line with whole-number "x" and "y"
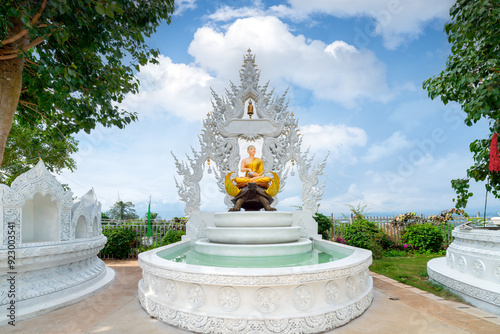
{"x": 411, "y": 270}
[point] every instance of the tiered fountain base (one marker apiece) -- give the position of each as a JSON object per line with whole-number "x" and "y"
{"x": 210, "y": 299}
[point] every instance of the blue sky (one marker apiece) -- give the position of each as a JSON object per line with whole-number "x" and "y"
{"x": 354, "y": 70}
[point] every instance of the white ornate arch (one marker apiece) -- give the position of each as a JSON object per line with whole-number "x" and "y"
{"x": 225, "y": 125}
{"x": 79, "y": 210}
{"x": 88, "y": 207}
{"x": 24, "y": 187}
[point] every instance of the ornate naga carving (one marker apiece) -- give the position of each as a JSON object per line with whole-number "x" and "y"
{"x": 225, "y": 125}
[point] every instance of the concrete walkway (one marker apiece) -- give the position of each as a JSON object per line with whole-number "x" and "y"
{"x": 396, "y": 308}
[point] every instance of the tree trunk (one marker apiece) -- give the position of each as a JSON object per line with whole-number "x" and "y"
{"x": 11, "y": 77}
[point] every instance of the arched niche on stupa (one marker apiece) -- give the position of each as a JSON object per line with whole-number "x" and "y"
{"x": 40, "y": 220}
{"x": 81, "y": 228}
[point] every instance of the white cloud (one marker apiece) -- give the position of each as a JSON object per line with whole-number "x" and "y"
{"x": 422, "y": 185}
{"x": 338, "y": 139}
{"x": 392, "y": 145}
{"x": 172, "y": 89}
{"x": 394, "y": 20}
{"x": 337, "y": 72}
{"x": 228, "y": 13}
{"x": 183, "y": 5}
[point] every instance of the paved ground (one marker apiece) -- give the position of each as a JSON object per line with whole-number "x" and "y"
{"x": 117, "y": 310}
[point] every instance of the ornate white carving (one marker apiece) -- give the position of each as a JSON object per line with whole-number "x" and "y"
{"x": 46, "y": 270}
{"x": 195, "y": 295}
{"x": 478, "y": 268}
{"x": 450, "y": 259}
{"x": 467, "y": 289}
{"x": 302, "y": 297}
{"x": 462, "y": 264}
{"x": 266, "y": 300}
{"x": 169, "y": 289}
{"x": 89, "y": 208}
{"x": 50, "y": 280}
{"x": 497, "y": 272}
{"x": 225, "y": 125}
{"x": 218, "y": 324}
{"x": 364, "y": 276}
{"x": 331, "y": 292}
{"x": 350, "y": 286}
{"x": 229, "y": 298}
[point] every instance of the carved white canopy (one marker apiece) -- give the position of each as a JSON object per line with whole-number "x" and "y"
{"x": 228, "y": 123}
{"x": 39, "y": 180}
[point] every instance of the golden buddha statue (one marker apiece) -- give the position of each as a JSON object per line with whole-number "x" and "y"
{"x": 254, "y": 170}
{"x": 254, "y": 173}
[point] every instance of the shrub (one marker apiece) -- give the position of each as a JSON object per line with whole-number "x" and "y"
{"x": 365, "y": 234}
{"x": 424, "y": 237}
{"x": 120, "y": 242}
{"x": 324, "y": 225}
{"x": 172, "y": 236}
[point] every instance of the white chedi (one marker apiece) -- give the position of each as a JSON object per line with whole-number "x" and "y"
{"x": 49, "y": 244}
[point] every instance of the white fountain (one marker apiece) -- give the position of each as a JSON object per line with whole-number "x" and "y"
{"x": 48, "y": 255}
{"x": 253, "y": 271}
{"x": 471, "y": 267}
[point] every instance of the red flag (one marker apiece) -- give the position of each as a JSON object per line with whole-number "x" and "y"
{"x": 494, "y": 165}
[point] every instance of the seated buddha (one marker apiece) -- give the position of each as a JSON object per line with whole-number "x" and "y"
{"x": 254, "y": 170}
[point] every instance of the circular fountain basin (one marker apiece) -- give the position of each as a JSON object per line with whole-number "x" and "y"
{"x": 253, "y": 235}
{"x": 204, "y": 246}
{"x": 298, "y": 299}
{"x": 253, "y": 219}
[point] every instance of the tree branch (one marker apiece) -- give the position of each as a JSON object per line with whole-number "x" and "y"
{"x": 15, "y": 37}
{"x": 37, "y": 16}
{"x": 34, "y": 43}
{"x": 25, "y": 31}
{"x": 27, "y": 105}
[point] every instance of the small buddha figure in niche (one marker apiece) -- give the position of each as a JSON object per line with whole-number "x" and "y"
{"x": 250, "y": 109}
{"x": 253, "y": 191}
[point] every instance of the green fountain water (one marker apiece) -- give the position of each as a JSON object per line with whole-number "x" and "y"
{"x": 190, "y": 256}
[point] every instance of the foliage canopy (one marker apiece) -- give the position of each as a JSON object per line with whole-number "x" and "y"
{"x": 122, "y": 210}
{"x": 472, "y": 78}
{"x": 72, "y": 62}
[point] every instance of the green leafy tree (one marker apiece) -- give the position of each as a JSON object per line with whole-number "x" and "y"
{"x": 324, "y": 225}
{"x": 472, "y": 78}
{"x": 122, "y": 210}
{"x": 154, "y": 215}
{"x": 424, "y": 237}
{"x": 365, "y": 234}
{"x": 27, "y": 144}
{"x": 120, "y": 242}
{"x": 62, "y": 62}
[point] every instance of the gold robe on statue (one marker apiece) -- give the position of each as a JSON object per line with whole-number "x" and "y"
{"x": 256, "y": 165}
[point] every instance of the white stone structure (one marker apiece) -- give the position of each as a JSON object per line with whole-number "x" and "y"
{"x": 49, "y": 245}
{"x": 471, "y": 267}
{"x": 309, "y": 299}
{"x": 300, "y": 294}
{"x": 226, "y": 125}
